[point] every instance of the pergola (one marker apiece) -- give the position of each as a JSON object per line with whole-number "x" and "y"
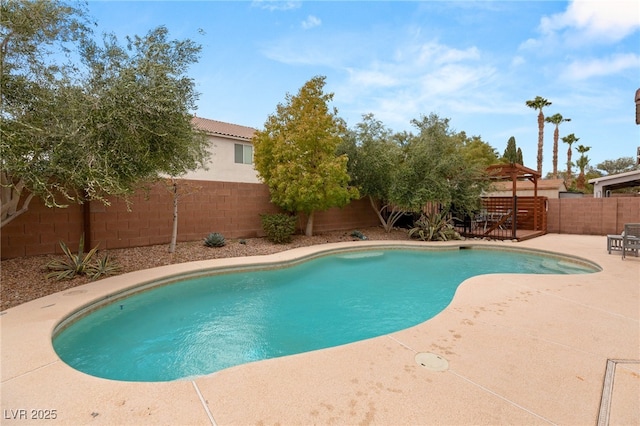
{"x": 514, "y": 173}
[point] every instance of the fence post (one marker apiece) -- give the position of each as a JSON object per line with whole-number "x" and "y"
{"x": 514, "y": 217}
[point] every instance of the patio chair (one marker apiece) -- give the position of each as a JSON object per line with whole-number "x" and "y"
{"x": 631, "y": 239}
{"x": 498, "y": 220}
{"x": 614, "y": 242}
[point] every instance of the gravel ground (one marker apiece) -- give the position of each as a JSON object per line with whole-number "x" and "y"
{"x": 25, "y": 278}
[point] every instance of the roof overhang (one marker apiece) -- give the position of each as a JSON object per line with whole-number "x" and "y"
{"x": 612, "y": 182}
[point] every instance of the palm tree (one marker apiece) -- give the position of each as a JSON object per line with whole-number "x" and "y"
{"x": 556, "y": 119}
{"x": 582, "y": 163}
{"x": 538, "y": 103}
{"x": 569, "y": 139}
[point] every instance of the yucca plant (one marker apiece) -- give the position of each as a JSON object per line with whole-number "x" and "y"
{"x": 102, "y": 266}
{"x": 72, "y": 264}
{"x": 434, "y": 227}
{"x": 214, "y": 239}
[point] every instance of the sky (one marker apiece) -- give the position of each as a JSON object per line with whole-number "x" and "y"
{"x": 474, "y": 62}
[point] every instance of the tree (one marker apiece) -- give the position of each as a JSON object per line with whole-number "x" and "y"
{"x": 403, "y": 173}
{"x": 295, "y": 154}
{"x": 556, "y": 119}
{"x": 620, "y": 165}
{"x": 582, "y": 163}
{"x": 512, "y": 154}
{"x": 476, "y": 151}
{"x": 570, "y": 139}
{"x": 375, "y": 165}
{"x": 74, "y": 134}
{"x": 437, "y": 172}
{"x": 538, "y": 103}
{"x": 29, "y": 32}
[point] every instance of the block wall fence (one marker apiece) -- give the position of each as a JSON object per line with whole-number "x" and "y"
{"x": 592, "y": 216}
{"x": 234, "y": 209}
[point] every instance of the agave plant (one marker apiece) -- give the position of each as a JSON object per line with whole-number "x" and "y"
{"x": 102, "y": 266}
{"x": 72, "y": 264}
{"x": 434, "y": 227}
{"x": 359, "y": 235}
{"x": 214, "y": 239}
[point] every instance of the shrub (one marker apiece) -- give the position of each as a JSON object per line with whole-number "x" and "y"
{"x": 214, "y": 239}
{"x": 278, "y": 227}
{"x": 434, "y": 227}
{"x": 359, "y": 235}
{"x": 80, "y": 264}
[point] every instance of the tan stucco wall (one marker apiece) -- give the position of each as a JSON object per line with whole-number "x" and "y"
{"x": 221, "y": 165}
{"x": 549, "y": 193}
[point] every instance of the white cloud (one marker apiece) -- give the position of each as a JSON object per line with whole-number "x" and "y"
{"x": 311, "y": 22}
{"x": 371, "y": 78}
{"x": 517, "y": 61}
{"x": 276, "y": 4}
{"x": 441, "y": 55}
{"x": 418, "y": 79}
{"x": 581, "y": 70}
{"x": 591, "y": 20}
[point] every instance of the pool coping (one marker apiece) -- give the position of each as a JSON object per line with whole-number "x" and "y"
{"x": 341, "y": 385}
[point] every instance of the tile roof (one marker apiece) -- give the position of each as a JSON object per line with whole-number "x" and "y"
{"x": 221, "y": 128}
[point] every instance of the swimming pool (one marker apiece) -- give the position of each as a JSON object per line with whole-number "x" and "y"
{"x": 205, "y": 324}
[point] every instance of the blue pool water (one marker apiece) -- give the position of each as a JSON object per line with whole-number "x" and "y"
{"x": 201, "y": 325}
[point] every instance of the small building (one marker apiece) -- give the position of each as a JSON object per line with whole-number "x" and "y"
{"x": 550, "y": 188}
{"x": 231, "y": 150}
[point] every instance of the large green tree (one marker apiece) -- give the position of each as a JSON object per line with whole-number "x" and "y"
{"x": 556, "y": 119}
{"x": 476, "y": 151}
{"x": 375, "y": 166}
{"x": 403, "y": 173}
{"x": 295, "y": 154}
{"x": 619, "y": 165}
{"x": 538, "y": 104}
{"x": 438, "y": 172}
{"x": 73, "y": 132}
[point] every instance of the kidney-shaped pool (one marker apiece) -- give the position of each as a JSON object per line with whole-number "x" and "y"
{"x": 201, "y": 325}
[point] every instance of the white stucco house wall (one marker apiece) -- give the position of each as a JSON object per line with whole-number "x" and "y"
{"x": 231, "y": 150}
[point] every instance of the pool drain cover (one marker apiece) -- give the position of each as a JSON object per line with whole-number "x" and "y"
{"x": 432, "y": 361}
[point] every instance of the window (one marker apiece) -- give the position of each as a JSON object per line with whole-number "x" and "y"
{"x": 244, "y": 154}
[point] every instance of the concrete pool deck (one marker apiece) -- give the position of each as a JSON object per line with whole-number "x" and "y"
{"x": 525, "y": 349}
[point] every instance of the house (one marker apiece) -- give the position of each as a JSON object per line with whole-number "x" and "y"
{"x": 603, "y": 186}
{"x": 231, "y": 150}
{"x": 550, "y": 188}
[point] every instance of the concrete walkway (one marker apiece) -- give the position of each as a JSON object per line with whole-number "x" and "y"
{"x": 525, "y": 349}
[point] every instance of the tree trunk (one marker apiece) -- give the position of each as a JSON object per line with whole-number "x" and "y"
{"x": 392, "y": 219}
{"x": 10, "y": 199}
{"x": 540, "y": 140}
{"x": 556, "y": 134}
{"x": 174, "y": 232}
{"x": 581, "y": 181}
{"x": 378, "y": 213}
{"x": 568, "y": 178}
{"x": 309, "y": 230}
